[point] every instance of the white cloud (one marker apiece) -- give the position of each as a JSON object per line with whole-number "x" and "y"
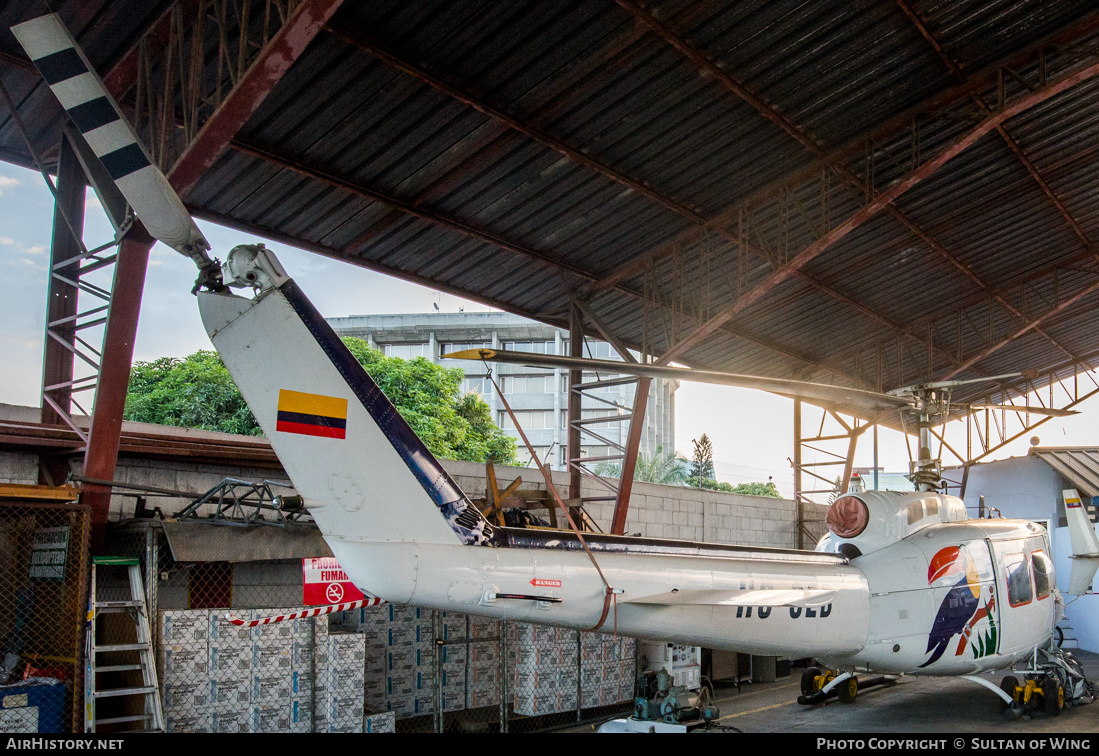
{"x": 35, "y": 249}
{"x": 6, "y": 240}
{"x": 8, "y": 182}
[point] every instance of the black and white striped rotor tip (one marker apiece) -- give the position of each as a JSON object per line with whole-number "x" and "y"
{"x": 95, "y": 113}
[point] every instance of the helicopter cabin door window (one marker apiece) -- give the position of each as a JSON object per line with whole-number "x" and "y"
{"x": 1042, "y": 571}
{"x": 1017, "y": 570}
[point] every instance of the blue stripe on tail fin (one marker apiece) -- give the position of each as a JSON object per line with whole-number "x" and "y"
{"x": 462, "y": 515}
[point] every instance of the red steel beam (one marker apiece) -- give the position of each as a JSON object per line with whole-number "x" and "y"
{"x": 879, "y": 203}
{"x": 534, "y": 132}
{"x": 61, "y": 297}
{"x": 945, "y": 57}
{"x": 213, "y": 138}
{"x": 273, "y": 62}
{"x": 629, "y": 464}
{"x": 101, "y": 456}
{"x": 937, "y": 102}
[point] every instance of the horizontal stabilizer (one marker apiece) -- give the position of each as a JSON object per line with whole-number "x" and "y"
{"x": 754, "y": 597}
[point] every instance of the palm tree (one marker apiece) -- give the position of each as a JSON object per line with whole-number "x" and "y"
{"x": 668, "y": 469}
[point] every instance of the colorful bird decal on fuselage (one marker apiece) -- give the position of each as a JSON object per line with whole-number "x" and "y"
{"x": 959, "y": 605}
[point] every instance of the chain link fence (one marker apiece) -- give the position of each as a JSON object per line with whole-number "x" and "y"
{"x": 384, "y": 668}
{"x": 43, "y": 568}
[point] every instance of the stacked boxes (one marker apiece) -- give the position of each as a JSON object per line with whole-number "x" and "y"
{"x": 400, "y": 671}
{"x": 271, "y": 678}
{"x": 548, "y": 679}
{"x": 383, "y": 722}
{"x": 230, "y": 654}
{"x": 182, "y": 655}
{"x": 342, "y": 696}
{"x": 410, "y": 661}
{"x": 302, "y": 676}
{"x": 221, "y": 677}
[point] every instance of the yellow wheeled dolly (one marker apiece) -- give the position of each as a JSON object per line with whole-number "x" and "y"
{"x": 818, "y": 684}
{"x": 1044, "y": 692}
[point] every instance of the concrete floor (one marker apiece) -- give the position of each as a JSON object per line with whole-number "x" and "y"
{"x": 910, "y": 705}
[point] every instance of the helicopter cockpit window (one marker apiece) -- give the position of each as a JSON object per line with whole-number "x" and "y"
{"x": 1017, "y": 569}
{"x": 1042, "y": 572}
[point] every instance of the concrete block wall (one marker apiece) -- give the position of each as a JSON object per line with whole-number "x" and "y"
{"x": 656, "y": 511}
{"x": 16, "y": 467}
{"x": 180, "y": 476}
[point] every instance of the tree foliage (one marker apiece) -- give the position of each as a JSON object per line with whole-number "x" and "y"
{"x": 702, "y": 463}
{"x": 669, "y": 469}
{"x": 768, "y": 489}
{"x": 198, "y": 392}
{"x": 194, "y": 392}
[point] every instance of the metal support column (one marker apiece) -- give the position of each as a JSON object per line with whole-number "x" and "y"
{"x": 61, "y": 304}
{"x": 114, "y": 375}
{"x": 797, "y": 474}
{"x": 572, "y": 450}
{"x": 629, "y": 464}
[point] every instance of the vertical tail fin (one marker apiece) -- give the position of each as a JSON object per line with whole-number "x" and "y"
{"x": 1085, "y": 544}
{"x": 363, "y": 472}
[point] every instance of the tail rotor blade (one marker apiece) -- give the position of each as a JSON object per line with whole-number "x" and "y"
{"x": 95, "y": 113}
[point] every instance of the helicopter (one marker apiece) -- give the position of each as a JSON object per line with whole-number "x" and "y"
{"x": 903, "y": 584}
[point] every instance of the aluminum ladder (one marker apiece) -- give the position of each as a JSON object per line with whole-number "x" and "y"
{"x": 152, "y": 717}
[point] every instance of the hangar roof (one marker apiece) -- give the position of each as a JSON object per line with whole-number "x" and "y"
{"x": 1080, "y": 464}
{"x": 871, "y": 194}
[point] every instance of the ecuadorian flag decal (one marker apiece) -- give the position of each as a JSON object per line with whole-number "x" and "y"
{"x": 311, "y": 414}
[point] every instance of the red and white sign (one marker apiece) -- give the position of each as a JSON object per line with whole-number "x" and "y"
{"x": 542, "y": 583}
{"x": 325, "y": 582}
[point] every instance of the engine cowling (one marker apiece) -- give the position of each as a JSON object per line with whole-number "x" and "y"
{"x": 871, "y": 520}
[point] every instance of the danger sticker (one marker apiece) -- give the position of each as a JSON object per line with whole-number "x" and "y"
{"x": 542, "y": 583}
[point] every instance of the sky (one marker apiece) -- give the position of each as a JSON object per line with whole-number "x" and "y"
{"x": 751, "y": 431}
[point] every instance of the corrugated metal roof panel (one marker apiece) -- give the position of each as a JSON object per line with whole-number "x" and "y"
{"x": 1080, "y": 465}
{"x": 347, "y": 138}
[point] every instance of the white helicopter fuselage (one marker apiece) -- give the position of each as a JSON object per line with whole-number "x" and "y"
{"x": 880, "y": 615}
{"x": 919, "y": 589}
{"x": 906, "y": 583}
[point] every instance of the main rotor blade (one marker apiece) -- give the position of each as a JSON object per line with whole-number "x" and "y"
{"x": 1028, "y": 410}
{"x": 801, "y": 389}
{"x": 951, "y": 384}
{"x": 84, "y": 97}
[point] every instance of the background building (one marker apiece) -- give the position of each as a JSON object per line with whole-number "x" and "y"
{"x": 539, "y": 397}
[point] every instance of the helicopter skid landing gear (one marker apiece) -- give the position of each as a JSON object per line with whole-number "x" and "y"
{"x": 1053, "y": 679}
{"x": 819, "y": 684}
